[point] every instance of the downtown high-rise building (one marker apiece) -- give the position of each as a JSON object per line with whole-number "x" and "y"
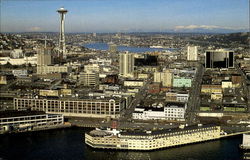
{"x": 192, "y": 53}
{"x": 219, "y": 58}
{"x": 126, "y": 64}
{"x": 164, "y": 77}
{"x": 44, "y": 56}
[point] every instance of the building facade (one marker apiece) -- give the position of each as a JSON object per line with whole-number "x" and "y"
{"x": 53, "y": 69}
{"x": 173, "y": 112}
{"x": 220, "y": 58}
{"x": 89, "y": 78}
{"x": 44, "y": 57}
{"x": 133, "y": 83}
{"x": 177, "y": 97}
{"x": 29, "y": 120}
{"x": 126, "y": 65}
{"x": 99, "y": 108}
{"x": 192, "y": 53}
{"x": 92, "y": 68}
{"x": 151, "y": 140}
{"x": 182, "y": 82}
{"x": 164, "y": 77}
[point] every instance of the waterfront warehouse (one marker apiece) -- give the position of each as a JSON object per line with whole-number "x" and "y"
{"x": 151, "y": 140}
{"x": 19, "y": 121}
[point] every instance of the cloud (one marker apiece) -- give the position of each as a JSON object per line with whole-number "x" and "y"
{"x": 34, "y": 29}
{"x": 207, "y": 27}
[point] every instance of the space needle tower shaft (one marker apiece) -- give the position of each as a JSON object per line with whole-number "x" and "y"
{"x": 62, "y": 47}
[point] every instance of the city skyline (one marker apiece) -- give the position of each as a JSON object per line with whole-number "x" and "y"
{"x": 126, "y": 16}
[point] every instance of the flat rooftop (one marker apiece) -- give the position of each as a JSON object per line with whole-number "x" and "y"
{"x": 165, "y": 131}
{"x": 13, "y": 113}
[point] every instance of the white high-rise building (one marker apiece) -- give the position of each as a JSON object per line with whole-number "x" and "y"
{"x": 126, "y": 63}
{"x": 192, "y": 53}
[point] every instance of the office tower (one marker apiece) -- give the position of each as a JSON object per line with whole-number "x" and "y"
{"x": 220, "y": 58}
{"x": 44, "y": 57}
{"x": 89, "y": 78}
{"x": 126, "y": 63}
{"x": 192, "y": 53}
{"x": 62, "y": 46}
{"x": 164, "y": 77}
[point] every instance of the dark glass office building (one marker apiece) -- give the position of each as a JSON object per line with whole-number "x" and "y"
{"x": 219, "y": 58}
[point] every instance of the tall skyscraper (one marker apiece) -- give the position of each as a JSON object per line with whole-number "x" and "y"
{"x": 126, "y": 63}
{"x": 44, "y": 56}
{"x": 192, "y": 53}
{"x": 220, "y": 58}
{"x": 62, "y": 46}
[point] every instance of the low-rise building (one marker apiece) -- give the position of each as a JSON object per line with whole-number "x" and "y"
{"x": 98, "y": 107}
{"x": 172, "y": 111}
{"x": 154, "y": 88}
{"x": 226, "y": 84}
{"x": 48, "y": 93}
{"x": 19, "y": 73}
{"x": 217, "y": 96}
{"x": 177, "y": 97}
{"x": 142, "y": 76}
{"x": 3, "y": 80}
{"x": 53, "y": 69}
{"x": 182, "y": 82}
{"x": 19, "y": 61}
{"x": 11, "y": 121}
{"x": 209, "y": 89}
{"x": 92, "y": 68}
{"x": 133, "y": 83}
{"x": 16, "y": 53}
{"x": 151, "y": 140}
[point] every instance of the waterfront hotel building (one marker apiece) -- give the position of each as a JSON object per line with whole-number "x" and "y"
{"x": 97, "y": 108}
{"x": 151, "y": 140}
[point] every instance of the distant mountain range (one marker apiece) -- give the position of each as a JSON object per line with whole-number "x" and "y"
{"x": 208, "y": 29}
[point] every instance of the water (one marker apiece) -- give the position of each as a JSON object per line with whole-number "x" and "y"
{"x": 69, "y": 143}
{"x": 104, "y": 46}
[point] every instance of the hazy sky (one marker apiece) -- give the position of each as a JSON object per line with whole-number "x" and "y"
{"x": 124, "y": 15}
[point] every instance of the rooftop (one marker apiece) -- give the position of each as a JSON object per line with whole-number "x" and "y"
{"x": 164, "y": 131}
{"x": 12, "y": 113}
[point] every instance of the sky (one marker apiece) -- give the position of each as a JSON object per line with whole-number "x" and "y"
{"x": 125, "y": 15}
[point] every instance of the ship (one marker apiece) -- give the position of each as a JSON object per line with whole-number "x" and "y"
{"x": 150, "y": 140}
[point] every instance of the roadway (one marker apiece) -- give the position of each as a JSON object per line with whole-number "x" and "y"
{"x": 246, "y": 84}
{"x": 127, "y": 114}
{"x": 194, "y": 95}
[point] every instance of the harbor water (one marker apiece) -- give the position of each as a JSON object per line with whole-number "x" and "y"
{"x": 69, "y": 143}
{"x": 104, "y": 46}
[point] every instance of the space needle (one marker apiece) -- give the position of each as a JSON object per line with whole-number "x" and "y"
{"x": 62, "y": 47}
